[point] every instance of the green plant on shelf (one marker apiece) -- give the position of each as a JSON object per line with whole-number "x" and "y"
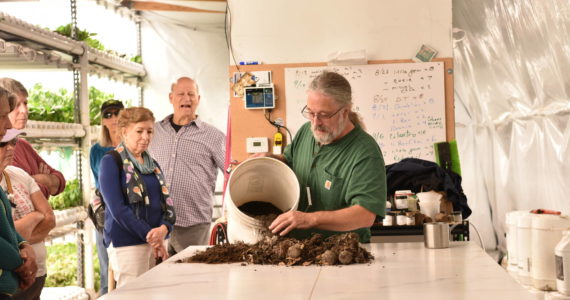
{"x": 87, "y": 37}
{"x": 96, "y": 98}
{"x": 137, "y": 59}
{"x": 70, "y": 197}
{"x": 82, "y": 35}
{"x": 62, "y": 265}
{"x": 58, "y": 106}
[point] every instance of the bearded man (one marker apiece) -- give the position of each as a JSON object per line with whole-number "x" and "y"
{"x": 337, "y": 162}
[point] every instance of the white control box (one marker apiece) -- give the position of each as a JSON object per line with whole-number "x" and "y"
{"x": 257, "y": 145}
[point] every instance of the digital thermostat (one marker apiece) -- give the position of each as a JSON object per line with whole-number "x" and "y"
{"x": 259, "y": 97}
{"x": 257, "y": 145}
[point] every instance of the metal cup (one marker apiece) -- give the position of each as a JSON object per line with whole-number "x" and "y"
{"x": 436, "y": 235}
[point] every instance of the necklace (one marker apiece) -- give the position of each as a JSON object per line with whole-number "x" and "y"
{"x": 9, "y": 191}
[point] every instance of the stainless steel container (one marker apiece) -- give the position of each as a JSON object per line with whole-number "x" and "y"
{"x": 436, "y": 235}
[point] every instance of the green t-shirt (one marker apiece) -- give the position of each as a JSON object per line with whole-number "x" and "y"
{"x": 347, "y": 172}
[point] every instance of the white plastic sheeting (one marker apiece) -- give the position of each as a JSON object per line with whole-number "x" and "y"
{"x": 171, "y": 49}
{"x": 512, "y": 86}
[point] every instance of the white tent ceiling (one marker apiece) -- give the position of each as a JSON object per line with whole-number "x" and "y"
{"x": 208, "y": 12}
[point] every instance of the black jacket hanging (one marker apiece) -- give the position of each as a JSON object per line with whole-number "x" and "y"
{"x": 413, "y": 174}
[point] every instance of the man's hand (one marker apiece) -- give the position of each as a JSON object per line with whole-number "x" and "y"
{"x": 27, "y": 271}
{"x": 43, "y": 169}
{"x": 155, "y": 237}
{"x": 160, "y": 252}
{"x": 49, "y": 180}
{"x": 290, "y": 220}
{"x": 43, "y": 179}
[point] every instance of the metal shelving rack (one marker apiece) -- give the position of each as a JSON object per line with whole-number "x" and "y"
{"x": 26, "y": 46}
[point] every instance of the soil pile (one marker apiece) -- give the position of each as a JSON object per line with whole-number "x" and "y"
{"x": 276, "y": 250}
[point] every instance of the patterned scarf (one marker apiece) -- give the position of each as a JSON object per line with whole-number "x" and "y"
{"x": 136, "y": 188}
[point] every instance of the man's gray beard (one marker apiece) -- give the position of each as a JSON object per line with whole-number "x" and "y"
{"x": 328, "y": 137}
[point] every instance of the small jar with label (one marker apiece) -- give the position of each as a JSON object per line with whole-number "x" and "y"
{"x": 401, "y": 220}
{"x": 562, "y": 264}
{"x": 401, "y": 199}
{"x": 388, "y": 220}
{"x": 412, "y": 202}
{"x": 457, "y": 218}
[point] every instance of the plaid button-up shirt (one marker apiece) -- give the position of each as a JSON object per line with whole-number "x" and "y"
{"x": 189, "y": 159}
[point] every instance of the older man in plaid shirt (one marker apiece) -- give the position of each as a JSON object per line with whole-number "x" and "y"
{"x": 189, "y": 151}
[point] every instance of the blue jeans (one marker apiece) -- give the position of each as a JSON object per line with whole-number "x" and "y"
{"x": 103, "y": 263}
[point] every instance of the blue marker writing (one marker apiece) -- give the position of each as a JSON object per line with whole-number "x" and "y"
{"x": 249, "y": 62}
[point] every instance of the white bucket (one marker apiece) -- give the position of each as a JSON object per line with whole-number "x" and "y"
{"x": 429, "y": 203}
{"x": 511, "y": 220}
{"x": 562, "y": 259}
{"x": 524, "y": 241}
{"x": 260, "y": 179}
{"x": 546, "y": 233}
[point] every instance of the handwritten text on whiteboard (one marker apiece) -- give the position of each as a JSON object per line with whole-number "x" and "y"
{"x": 402, "y": 105}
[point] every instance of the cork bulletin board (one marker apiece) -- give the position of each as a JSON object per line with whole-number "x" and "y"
{"x": 389, "y": 95}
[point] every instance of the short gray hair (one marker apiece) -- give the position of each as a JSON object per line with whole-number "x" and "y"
{"x": 185, "y": 77}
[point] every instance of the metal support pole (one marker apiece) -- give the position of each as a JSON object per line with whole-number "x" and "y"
{"x": 82, "y": 104}
{"x": 73, "y": 5}
{"x": 79, "y": 235}
{"x": 80, "y": 257}
{"x": 79, "y": 91}
{"x": 139, "y": 53}
{"x": 139, "y": 37}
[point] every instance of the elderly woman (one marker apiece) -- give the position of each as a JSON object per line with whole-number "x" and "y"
{"x": 138, "y": 210}
{"x": 50, "y": 180}
{"x": 108, "y": 140}
{"x": 33, "y": 216}
{"x": 18, "y": 260}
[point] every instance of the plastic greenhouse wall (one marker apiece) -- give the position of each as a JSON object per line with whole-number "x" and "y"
{"x": 512, "y": 93}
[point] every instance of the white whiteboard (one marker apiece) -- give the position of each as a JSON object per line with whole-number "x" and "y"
{"x": 402, "y": 105}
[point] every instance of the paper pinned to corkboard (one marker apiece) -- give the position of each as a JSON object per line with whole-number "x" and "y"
{"x": 242, "y": 80}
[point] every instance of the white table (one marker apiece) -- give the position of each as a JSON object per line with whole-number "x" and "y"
{"x": 400, "y": 271}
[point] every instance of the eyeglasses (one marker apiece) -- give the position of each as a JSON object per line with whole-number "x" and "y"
{"x": 110, "y": 114}
{"x": 311, "y": 115}
{"x": 10, "y": 142}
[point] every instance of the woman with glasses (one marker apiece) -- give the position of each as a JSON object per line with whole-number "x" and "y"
{"x": 138, "y": 208}
{"x": 33, "y": 216}
{"x": 109, "y": 138}
{"x": 50, "y": 180}
{"x": 339, "y": 166}
{"x": 17, "y": 262}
